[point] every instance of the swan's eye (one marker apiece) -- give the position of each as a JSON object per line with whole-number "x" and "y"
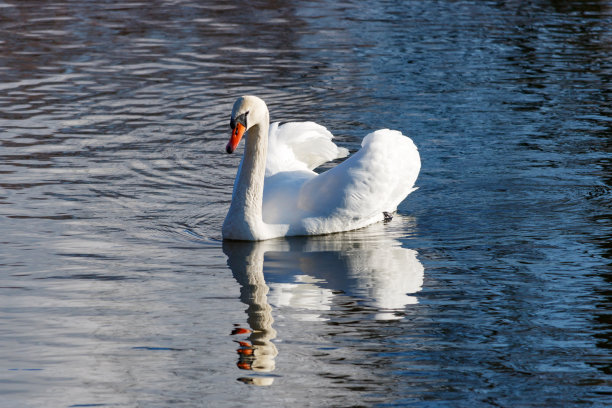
{"x": 242, "y": 119}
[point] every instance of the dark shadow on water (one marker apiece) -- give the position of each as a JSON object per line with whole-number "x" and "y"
{"x": 308, "y": 272}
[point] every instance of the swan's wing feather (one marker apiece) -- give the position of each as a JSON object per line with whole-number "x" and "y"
{"x": 375, "y": 179}
{"x": 299, "y": 146}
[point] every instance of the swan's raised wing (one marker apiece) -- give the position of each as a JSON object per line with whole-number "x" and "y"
{"x": 300, "y": 146}
{"x": 375, "y": 179}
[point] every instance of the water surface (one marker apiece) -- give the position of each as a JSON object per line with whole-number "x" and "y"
{"x": 490, "y": 287}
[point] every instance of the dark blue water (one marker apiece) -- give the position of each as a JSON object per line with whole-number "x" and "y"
{"x": 491, "y": 286}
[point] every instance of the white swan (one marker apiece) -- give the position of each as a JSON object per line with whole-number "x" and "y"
{"x": 277, "y": 193}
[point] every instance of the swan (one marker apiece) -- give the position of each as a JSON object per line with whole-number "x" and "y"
{"x": 276, "y": 192}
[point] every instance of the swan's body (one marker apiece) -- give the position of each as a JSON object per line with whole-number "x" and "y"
{"x": 277, "y": 193}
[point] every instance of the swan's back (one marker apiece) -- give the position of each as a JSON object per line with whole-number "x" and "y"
{"x": 351, "y": 195}
{"x": 374, "y": 180}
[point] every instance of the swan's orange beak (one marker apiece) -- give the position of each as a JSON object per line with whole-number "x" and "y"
{"x": 235, "y": 138}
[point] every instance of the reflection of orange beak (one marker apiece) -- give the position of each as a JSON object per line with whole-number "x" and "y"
{"x": 245, "y": 351}
{"x": 244, "y": 365}
{"x": 235, "y": 138}
{"x": 239, "y": 330}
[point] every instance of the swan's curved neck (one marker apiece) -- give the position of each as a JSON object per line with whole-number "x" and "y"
{"x": 244, "y": 220}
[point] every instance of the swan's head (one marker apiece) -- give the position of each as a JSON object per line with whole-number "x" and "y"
{"x": 248, "y": 111}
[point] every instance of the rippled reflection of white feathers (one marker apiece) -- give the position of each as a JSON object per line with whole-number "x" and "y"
{"x": 304, "y": 274}
{"x": 382, "y": 273}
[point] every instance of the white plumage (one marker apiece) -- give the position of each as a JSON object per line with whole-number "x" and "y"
{"x": 277, "y": 193}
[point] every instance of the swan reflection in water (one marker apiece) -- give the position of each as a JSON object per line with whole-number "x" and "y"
{"x": 305, "y": 273}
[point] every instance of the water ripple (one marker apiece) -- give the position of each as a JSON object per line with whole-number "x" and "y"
{"x": 114, "y": 185}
